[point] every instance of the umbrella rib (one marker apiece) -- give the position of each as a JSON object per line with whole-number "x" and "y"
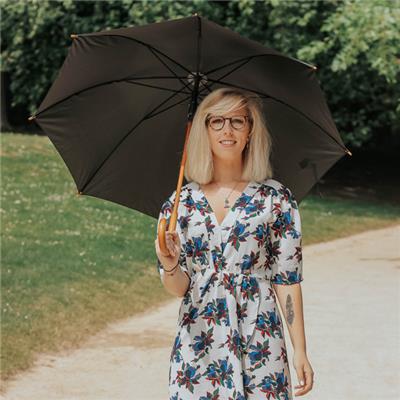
{"x": 147, "y": 116}
{"x": 126, "y": 79}
{"x": 260, "y": 55}
{"x": 150, "y": 114}
{"x": 166, "y": 66}
{"x": 282, "y": 102}
{"x": 156, "y": 87}
{"x": 234, "y": 69}
{"x": 199, "y": 36}
{"x": 165, "y": 109}
{"x": 229, "y": 64}
{"x": 142, "y": 43}
{"x": 173, "y": 105}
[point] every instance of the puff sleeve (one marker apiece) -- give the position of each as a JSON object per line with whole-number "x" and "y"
{"x": 284, "y": 239}
{"x": 166, "y": 212}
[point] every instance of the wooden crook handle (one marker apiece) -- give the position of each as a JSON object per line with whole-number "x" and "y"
{"x": 161, "y": 235}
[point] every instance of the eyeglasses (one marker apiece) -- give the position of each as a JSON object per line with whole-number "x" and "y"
{"x": 237, "y": 122}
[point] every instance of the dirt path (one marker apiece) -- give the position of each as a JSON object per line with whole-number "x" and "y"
{"x": 352, "y": 321}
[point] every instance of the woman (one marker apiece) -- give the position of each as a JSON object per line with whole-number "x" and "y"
{"x": 237, "y": 244}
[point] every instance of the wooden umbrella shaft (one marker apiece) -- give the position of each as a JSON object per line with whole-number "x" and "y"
{"x": 174, "y": 216}
{"x": 172, "y": 224}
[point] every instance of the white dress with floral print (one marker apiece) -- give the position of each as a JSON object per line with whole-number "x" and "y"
{"x": 229, "y": 340}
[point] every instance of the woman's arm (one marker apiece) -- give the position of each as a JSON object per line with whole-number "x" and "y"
{"x": 177, "y": 281}
{"x": 177, "y": 284}
{"x": 291, "y": 301}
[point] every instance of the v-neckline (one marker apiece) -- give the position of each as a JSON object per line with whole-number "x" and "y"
{"x": 231, "y": 209}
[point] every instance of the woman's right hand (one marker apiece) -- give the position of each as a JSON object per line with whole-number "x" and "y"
{"x": 169, "y": 260}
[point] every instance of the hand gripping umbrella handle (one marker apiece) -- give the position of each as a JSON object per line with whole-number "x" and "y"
{"x": 162, "y": 227}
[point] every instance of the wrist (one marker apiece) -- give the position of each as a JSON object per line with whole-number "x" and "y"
{"x": 172, "y": 270}
{"x": 300, "y": 351}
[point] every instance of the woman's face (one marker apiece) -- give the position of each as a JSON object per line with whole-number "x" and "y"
{"x": 237, "y": 133}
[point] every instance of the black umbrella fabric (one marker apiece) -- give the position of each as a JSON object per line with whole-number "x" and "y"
{"x": 118, "y": 109}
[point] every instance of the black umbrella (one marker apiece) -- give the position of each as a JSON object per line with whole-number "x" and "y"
{"x": 123, "y": 98}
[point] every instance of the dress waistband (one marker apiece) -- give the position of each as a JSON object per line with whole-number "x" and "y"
{"x": 233, "y": 274}
{"x": 252, "y": 282}
{"x": 242, "y": 275}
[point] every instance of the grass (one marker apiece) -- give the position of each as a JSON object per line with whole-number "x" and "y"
{"x": 72, "y": 264}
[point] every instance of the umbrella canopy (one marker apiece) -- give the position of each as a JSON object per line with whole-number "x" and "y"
{"x": 118, "y": 109}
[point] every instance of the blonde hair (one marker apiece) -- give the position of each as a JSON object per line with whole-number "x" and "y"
{"x": 256, "y": 157}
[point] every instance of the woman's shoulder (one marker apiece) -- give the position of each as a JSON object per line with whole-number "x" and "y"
{"x": 185, "y": 190}
{"x": 277, "y": 188}
{"x": 272, "y": 183}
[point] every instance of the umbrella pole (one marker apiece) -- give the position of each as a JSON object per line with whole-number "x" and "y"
{"x": 172, "y": 224}
{"x": 174, "y": 216}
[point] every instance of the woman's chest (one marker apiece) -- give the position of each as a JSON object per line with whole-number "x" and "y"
{"x": 220, "y": 203}
{"x": 220, "y": 206}
{"x": 209, "y": 223}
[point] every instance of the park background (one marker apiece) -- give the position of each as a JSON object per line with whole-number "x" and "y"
{"x": 72, "y": 264}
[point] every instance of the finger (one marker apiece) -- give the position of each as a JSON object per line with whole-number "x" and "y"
{"x": 177, "y": 239}
{"x": 170, "y": 236}
{"x": 168, "y": 241}
{"x": 301, "y": 377}
{"x": 308, "y": 383}
{"x": 158, "y": 249}
{"x": 309, "y": 379}
{"x": 173, "y": 234}
{"x": 171, "y": 246}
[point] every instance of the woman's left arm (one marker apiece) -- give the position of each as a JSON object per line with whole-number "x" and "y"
{"x": 291, "y": 301}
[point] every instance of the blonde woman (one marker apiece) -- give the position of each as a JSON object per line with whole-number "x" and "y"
{"x": 236, "y": 249}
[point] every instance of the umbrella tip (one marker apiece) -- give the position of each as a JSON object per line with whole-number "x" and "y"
{"x": 74, "y": 36}
{"x": 78, "y": 193}
{"x": 348, "y": 152}
{"x": 31, "y": 117}
{"x": 314, "y": 67}
{"x": 195, "y": 14}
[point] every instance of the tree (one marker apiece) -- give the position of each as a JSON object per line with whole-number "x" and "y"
{"x": 354, "y": 43}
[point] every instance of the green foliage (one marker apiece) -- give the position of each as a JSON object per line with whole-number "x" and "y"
{"x": 360, "y": 45}
{"x": 354, "y": 43}
{"x": 361, "y": 28}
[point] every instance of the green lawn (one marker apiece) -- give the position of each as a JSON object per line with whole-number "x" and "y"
{"x": 71, "y": 264}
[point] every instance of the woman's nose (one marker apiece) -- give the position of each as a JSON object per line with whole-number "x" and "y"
{"x": 227, "y": 126}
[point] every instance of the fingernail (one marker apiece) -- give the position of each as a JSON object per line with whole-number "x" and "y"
{"x": 301, "y": 382}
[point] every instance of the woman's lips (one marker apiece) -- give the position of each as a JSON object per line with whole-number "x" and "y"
{"x": 227, "y": 144}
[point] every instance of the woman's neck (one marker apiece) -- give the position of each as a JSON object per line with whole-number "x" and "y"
{"x": 227, "y": 172}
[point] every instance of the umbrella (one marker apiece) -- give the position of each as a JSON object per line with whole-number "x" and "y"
{"x": 123, "y": 99}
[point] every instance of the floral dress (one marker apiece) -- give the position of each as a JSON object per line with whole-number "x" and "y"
{"x": 229, "y": 342}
